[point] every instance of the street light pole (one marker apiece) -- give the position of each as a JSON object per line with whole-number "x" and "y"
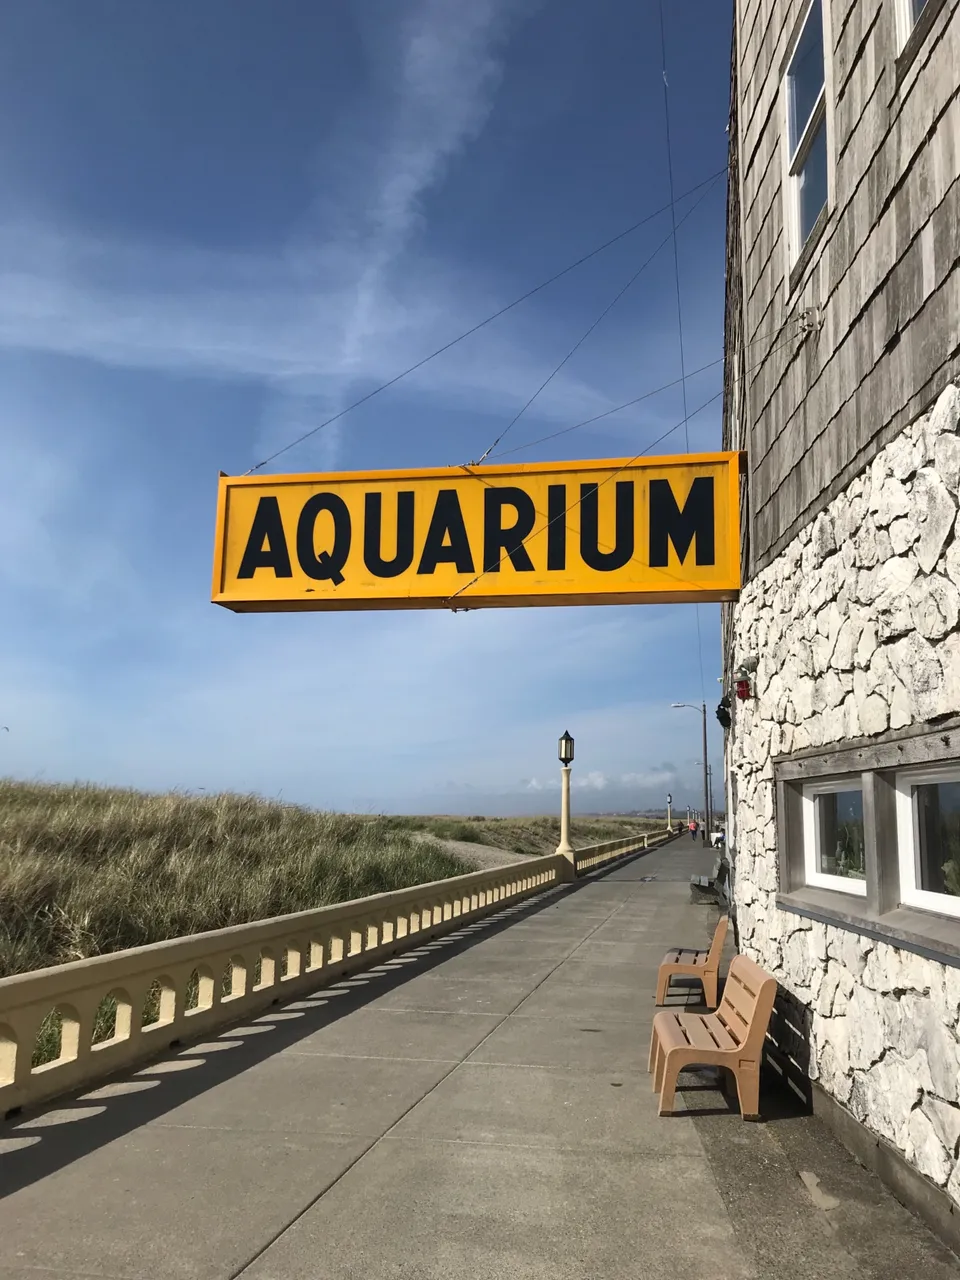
{"x": 706, "y": 780}
{"x": 710, "y": 777}
{"x": 564, "y": 845}
{"x": 565, "y": 753}
{"x": 702, "y": 708}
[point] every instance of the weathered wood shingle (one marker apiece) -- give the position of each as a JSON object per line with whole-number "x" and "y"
{"x": 813, "y": 409}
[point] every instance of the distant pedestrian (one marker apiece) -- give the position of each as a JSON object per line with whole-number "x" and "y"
{"x": 694, "y": 826}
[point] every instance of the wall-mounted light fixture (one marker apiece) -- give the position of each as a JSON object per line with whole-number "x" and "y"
{"x": 743, "y": 678}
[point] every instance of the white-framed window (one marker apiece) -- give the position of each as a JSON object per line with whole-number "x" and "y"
{"x": 908, "y": 15}
{"x": 928, "y": 839}
{"x": 806, "y": 109}
{"x": 833, "y": 841}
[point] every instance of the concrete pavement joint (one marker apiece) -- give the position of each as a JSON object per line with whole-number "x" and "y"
{"x": 454, "y": 1013}
{"x": 560, "y": 1147}
{"x": 446, "y": 1076}
{"x": 74, "y": 1275}
{"x": 334, "y": 998}
{"x": 541, "y": 1066}
{"x": 370, "y": 1057}
{"x": 234, "y": 1128}
{"x": 525, "y": 1017}
{"x": 542, "y": 1168}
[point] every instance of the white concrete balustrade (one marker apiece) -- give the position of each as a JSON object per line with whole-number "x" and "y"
{"x": 191, "y": 986}
{"x": 596, "y": 855}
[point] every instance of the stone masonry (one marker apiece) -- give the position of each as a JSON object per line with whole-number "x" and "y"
{"x": 856, "y": 629}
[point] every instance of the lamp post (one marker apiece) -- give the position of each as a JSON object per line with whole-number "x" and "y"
{"x": 669, "y": 804}
{"x": 565, "y": 754}
{"x": 706, "y": 781}
{"x": 710, "y": 808}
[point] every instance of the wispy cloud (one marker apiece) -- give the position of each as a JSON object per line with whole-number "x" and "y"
{"x": 116, "y": 666}
{"x": 596, "y": 780}
{"x": 355, "y": 294}
{"x": 660, "y": 776}
{"x": 321, "y": 313}
{"x": 446, "y": 73}
{"x": 234, "y": 317}
{"x": 45, "y": 550}
{"x": 255, "y": 318}
{"x": 295, "y": 703}
{"x": 231, "y": 317}
{"x": 443, "y": 69}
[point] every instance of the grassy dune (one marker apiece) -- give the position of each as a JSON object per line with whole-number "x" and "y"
{"x": 528, "y": 837}
{"x": 86, "y": 870}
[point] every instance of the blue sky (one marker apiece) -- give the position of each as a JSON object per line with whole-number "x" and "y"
{"x": 220, "y": 223}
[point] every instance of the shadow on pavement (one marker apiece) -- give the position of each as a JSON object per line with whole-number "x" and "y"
{"x": 36, "y": 1143}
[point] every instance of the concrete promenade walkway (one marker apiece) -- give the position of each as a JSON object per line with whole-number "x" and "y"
{"x": 479, "y": 1109}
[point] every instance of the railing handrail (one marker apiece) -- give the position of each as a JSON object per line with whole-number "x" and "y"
{"x": 315, "y": 947}
{"x": 255, "y": 930}
{"x": 332, "y": 913}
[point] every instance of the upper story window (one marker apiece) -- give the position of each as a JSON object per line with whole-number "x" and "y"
{"x": 914, "y": 22}
{"x": 806, "y": 102}
{"x": 910, "y": 11}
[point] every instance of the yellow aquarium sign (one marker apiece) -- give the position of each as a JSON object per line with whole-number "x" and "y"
{"x": 599, "y": 532}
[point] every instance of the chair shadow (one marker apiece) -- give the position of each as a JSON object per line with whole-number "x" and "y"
{"x": 698, "y": 1084}
{"x": 77, "y": 1123}
{"x": 685, "y": 985}
{"x": 786, "y": 1093}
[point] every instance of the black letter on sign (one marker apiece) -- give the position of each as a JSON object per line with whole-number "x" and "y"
{"x": 498, "y": 541}
{"x": 372, "y": 538}
{"x": 557, "y": 526}
{"x": 446, "y": 522}
{"x": 667, "y": 521}
{"x": 266, "y": 547}
{"x": 590, "y": 551}
{"x": 328, "y": 565}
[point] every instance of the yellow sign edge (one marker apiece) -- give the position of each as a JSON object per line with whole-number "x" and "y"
{"x": 466, "y": 469}
{"x": 718, "y": 595}
{"x": 465, "y": 603}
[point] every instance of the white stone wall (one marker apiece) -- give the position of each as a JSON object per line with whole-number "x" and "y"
{"x": 856, "y": 629}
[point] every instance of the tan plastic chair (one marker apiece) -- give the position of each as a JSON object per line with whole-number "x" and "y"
{"x": 731, "y": 1038}
{"x": 704, "y": 965}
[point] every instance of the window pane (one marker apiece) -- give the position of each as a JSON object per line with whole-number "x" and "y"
{"x": 937, "y": 806}
{"x": 806, "y": 75}
{"x": 840, "y": 834}
{"x": 812, "y": 181}
{"x": 917, "y": 7}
